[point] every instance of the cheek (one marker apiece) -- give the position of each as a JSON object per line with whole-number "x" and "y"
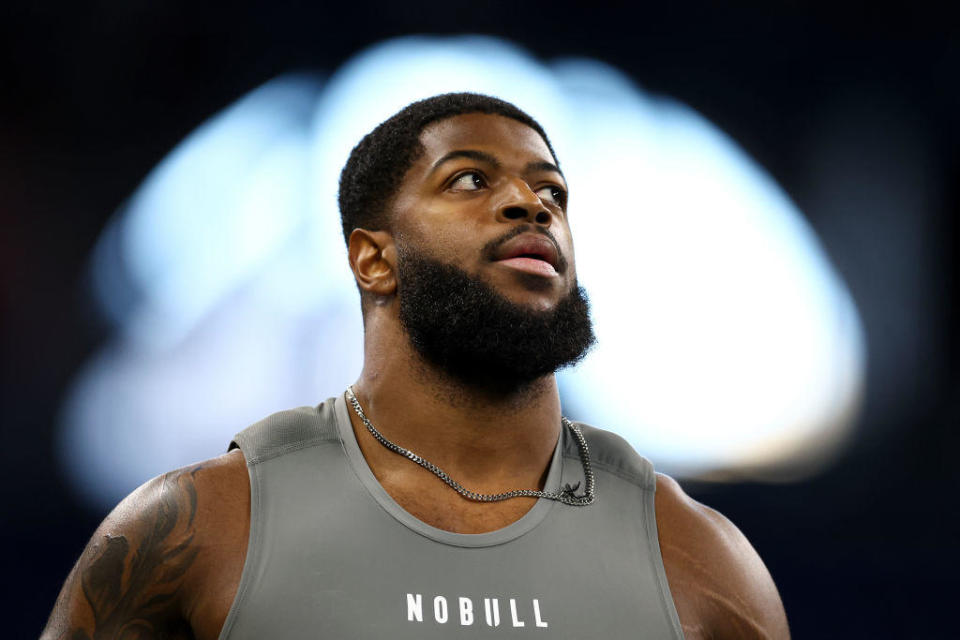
{"x": 566, "y": 243}
{"x": 446, "y": 241}
{"x": 444, "y": 232}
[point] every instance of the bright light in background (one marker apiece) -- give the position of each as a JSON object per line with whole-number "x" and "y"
{"x": 727, "y": 343}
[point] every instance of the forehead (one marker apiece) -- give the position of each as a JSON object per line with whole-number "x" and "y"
{"x": 506, "y": 138}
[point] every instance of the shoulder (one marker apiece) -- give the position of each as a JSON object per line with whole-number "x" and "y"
{"x": 718, "y": 581}
{"x": 610, "y": 452}
{"x": 287, "y": 431}
{"x": 196, "y": 501}
{"x": 173, "y": 515}
{"x": 146, "y": 562}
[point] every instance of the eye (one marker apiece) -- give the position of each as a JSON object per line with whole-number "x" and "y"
{"x": 469, "y": 181}
{"x": 553, "y": 194}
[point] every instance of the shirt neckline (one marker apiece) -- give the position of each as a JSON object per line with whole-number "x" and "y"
{"x": 512, "y": 531}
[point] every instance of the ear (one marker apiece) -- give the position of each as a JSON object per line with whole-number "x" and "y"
{"x": 373, "y": 259}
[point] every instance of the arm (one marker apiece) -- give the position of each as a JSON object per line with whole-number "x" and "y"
{"x": 719, "y": 583}
{"x": 165, "y": 563}
{"x": 127, "y": 580}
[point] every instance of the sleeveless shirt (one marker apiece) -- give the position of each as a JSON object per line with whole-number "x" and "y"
{"x": 332, "y": 556}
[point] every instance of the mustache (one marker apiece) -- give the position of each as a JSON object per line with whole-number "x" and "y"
{"x": 490, "y": 249}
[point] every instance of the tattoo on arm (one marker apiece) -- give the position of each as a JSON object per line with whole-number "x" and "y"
{"x": 129, "y": 581}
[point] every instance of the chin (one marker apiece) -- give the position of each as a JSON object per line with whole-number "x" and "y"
{"x": 544, "y": 298}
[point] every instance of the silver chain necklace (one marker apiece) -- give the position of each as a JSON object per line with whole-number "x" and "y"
{"x": 566, "y": 494}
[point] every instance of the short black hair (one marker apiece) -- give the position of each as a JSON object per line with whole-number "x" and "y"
{"x": 379, "y": 162}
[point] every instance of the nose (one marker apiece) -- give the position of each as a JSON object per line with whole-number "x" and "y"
{"x": 521, "y": 203}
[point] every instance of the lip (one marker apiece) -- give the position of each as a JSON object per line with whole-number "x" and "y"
{"x": 531, "y": 253}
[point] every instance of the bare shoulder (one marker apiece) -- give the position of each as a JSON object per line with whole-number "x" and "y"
{"x": 145, "y": 570}
{"x": 720, "y": 585}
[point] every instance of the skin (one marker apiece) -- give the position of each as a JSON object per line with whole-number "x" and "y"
{"x": 166, "y": 563}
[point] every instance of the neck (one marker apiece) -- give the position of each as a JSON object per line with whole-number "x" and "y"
{"x": 488, "y": 440}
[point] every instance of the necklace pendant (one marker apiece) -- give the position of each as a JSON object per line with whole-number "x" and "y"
{"x": 570, "y": 491}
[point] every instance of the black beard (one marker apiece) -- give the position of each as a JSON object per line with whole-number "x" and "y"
{"x": 463, "y": 327}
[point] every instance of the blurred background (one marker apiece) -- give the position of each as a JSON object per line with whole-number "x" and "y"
{"x": 782, "y": 181}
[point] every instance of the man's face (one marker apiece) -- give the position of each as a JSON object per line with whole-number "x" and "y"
{"x": 485, "y": 278}
{"x": 486, "y": 197}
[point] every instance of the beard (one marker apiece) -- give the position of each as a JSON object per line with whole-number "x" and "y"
{"x": 467, "y": 330}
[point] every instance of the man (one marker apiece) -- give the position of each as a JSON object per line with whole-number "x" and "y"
{"x": 443, "y": 494}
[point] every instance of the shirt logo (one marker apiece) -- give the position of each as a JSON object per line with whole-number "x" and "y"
{"x": 467, "y": 612}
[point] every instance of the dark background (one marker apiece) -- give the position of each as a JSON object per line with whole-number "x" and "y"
{"x": 853, "y": 111}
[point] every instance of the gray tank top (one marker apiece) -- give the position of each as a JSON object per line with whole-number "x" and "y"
{"x": 332, "y": 556}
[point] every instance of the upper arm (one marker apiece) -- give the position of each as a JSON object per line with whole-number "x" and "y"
{"x": 129, "y": 579}
{"x": 720, "y": 585}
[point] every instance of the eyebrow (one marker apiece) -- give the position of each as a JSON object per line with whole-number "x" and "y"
{"x": 482, "y": 156}
{"x": 543, "y": 165}
{"x": 466, "y": 153}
